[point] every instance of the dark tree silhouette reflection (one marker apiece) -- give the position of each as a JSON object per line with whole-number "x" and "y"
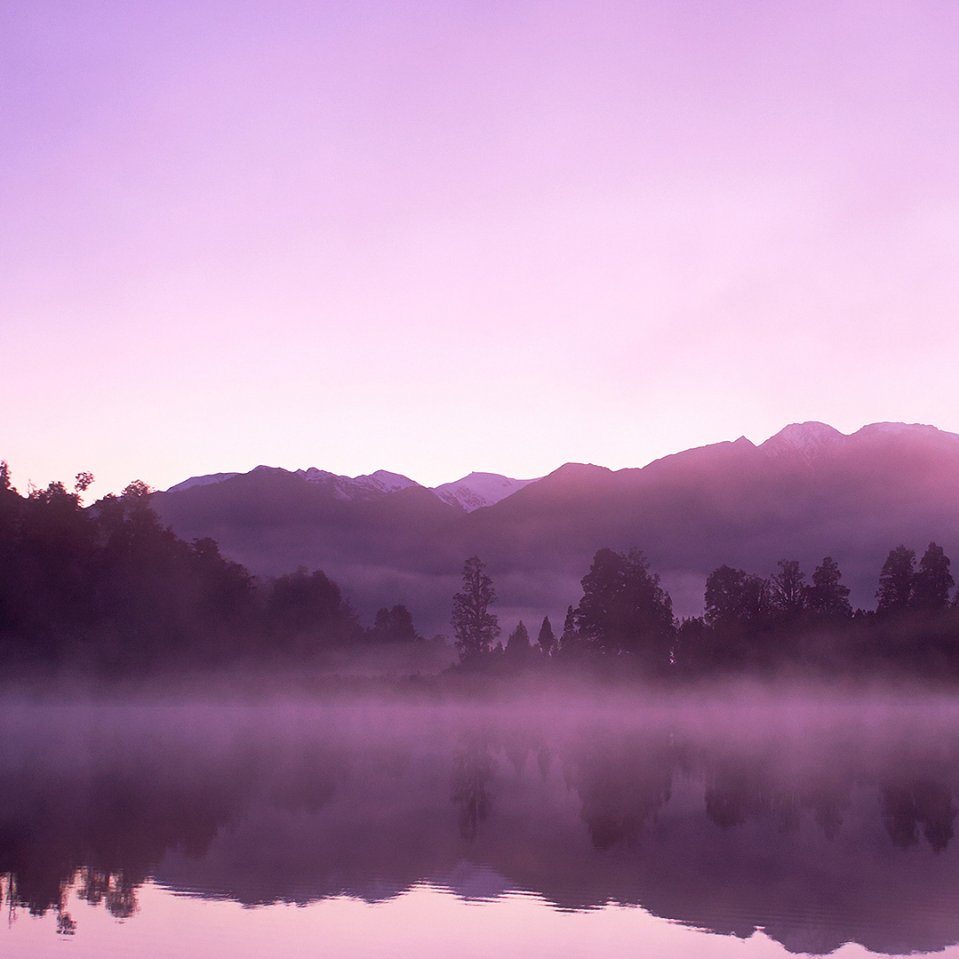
{"x": 473, "y": 768}
{"x": 677, "y": 810}
{"x": 925, "y": 803}
{"x": 622, "y": 784}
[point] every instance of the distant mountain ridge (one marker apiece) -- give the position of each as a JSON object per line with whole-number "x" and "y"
{"x": 806, "y": 492}
{"x": 808, "y": 440}
{"x": 471, "y": 492}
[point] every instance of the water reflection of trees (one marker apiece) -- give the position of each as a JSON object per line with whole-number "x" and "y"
{"x": 738, "y": 791}
{"x": 100, "y": 836}
{"x": 115, "y": 891}
{"x": 94, "y": 820}
{"x": 669, "y": 817}
{"x": 622, "y": 783}
{"x": 473, "y": 766}
{"x": 911, "y": 804}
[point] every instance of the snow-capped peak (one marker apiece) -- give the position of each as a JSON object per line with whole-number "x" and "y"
{"x": 469, "y": 493}
{"x": 349, "y": 487}
{"x": 807, "y": 440}
{"x": 384, "y": 481}
{"x": 477, "y": 490}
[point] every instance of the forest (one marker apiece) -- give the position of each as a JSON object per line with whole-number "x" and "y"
{"x": 109, "y": 590}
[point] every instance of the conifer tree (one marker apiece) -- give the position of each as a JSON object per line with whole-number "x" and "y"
{"x": 474, "y": 626}
{"x": 827, "y": 596}
{"x": 933, "y": 581}
{"x": 896, "y": 580}
{"x": 518, "y": 646}
{"x": 546, "y": 640}
{"x": 567, "y": 640}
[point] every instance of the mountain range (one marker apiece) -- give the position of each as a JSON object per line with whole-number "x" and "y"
{"x": 471, "y": 492}
{"x": 807, "y": 492}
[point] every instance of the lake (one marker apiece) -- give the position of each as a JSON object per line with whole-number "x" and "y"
{"x": 729, "y": 824}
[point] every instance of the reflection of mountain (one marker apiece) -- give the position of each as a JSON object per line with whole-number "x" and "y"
{"x": 807, "y": 492}
{"x": 820, "y": 830}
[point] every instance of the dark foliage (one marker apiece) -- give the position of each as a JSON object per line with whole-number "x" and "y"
{"x": 896, "y": 581}
{"x": 518, "y": 647}
{"x": 827, "y": 597}
{"x": 546, "y": 640}
{"x": 624, "y": 609}
{"x": 474, "y": 626}
{"x": 394, "y": 625}
{"x": 112, "y": 590}
{"x": 933, "y": 582}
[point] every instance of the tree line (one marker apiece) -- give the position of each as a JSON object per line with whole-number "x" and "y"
{"x": 109, "y": 588}
{"x": 784, "y": 621}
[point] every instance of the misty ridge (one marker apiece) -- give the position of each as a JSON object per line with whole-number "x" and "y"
{"x": 112, "y": 590}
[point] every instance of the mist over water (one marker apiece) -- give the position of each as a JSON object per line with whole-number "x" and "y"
{"x": 820, "y": 818}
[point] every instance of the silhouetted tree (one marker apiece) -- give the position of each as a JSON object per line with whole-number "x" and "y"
{"x": 54, "y": 542}
{"x": 148, "y": 586}
{"x": 223, "y": 597}
{"x": 734, "y": 598}
{"x": 11, "y": 506}
{"x": 474, "y": 626}
{"x": 827, "y": 596}
{"x": 624, "y": 609}
{"x": 307, "y": 610}
{"x": 546, "y": 640}
{"x": 787, "y": 589}
{"x": 518, "y": 648}
{"x": 568, "y": 636}
{"x": 82, "y": 482}
{"x": 394, "y": 625}
{"x": 896, "y": 580}
{"x": 737, "y": 611}
{"x": 933, "y": 582}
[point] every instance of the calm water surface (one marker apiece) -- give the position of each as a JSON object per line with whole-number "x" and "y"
{"x": 719, "y": 827}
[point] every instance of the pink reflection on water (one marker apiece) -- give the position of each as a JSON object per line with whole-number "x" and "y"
{"x": 426, "y": 923}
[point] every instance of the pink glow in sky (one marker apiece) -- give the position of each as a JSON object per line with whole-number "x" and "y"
{"x": 435, "y": 237}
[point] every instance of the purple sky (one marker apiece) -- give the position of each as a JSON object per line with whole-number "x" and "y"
{"x": 436, "y": 237}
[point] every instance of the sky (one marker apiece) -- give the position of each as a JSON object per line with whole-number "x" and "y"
{"x": 436, "y": 237}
